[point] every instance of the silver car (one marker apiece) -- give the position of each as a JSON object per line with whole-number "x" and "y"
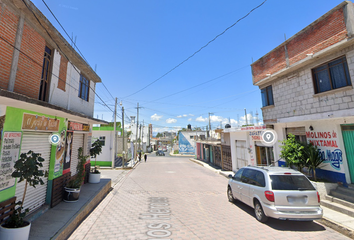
{"x": 276, "y": 192}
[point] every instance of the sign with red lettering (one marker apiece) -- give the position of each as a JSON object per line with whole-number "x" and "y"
{"x": 327, "y": 144}
{"x": 10, "y": 152}
{"x": 74, "y": 126}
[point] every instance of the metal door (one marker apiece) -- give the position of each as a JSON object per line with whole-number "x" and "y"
{"x": 348, "y": 138}
{"x": 38, "y": 143}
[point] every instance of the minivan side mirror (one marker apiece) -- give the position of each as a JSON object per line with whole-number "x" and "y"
{"x": 230, "y": 176}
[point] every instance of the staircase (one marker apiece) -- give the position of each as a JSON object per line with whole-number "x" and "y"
{"x": 341, "y": 200}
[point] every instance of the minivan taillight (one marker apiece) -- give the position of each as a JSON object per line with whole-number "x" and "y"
{"x": 269, "y": 195}
{"x": 318, "y": 198}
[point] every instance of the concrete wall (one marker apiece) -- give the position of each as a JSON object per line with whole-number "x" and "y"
{"x": 68, "y": 97}
{"x": 335, "y": 165}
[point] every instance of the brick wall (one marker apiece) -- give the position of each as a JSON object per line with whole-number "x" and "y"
{"x": 319, "y": 36}
{"x": 62, "y": 73}
{"x": 8, "y": 26}
{"x": 28, "y": 76}
{"x": 294, "y": 94}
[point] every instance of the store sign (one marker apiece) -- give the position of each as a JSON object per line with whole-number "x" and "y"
{"x": 9, "y": 155}
{"x": 256, "y": 135}
{"x": 74, "y": 126}
{"x": 253, "y": 128}
{"x": 39, "y": 123}
{"x": 327, "y": 144}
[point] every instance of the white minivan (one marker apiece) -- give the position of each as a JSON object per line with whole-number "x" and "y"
{"x": 276, "y": 192}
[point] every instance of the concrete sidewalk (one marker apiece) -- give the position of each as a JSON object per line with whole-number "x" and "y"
{"x": 333, "y": 219}
{"x": 60, "y": 221}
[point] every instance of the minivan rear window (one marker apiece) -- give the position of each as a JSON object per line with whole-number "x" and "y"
{"x": 291, "y": 182}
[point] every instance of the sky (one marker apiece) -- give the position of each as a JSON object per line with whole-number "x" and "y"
{"x": 175, "y": 58}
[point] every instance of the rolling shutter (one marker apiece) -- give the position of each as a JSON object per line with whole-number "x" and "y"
{"x": 38, "y": 143}
{"x": 78, "y": 141}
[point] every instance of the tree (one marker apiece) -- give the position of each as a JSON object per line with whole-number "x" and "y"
{"x": 159, "y": 135}
{"x": 293, "y": 152}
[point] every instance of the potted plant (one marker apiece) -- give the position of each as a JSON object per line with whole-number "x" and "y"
{"x": 72, "y": 188}
{"x": 27, "y": 169}
{"x": 95, "y": 150}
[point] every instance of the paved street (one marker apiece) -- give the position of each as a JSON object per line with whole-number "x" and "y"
{"x": 174, "y": 198}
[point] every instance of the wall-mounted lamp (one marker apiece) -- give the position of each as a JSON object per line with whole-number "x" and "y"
{"x": 311, "y": 128}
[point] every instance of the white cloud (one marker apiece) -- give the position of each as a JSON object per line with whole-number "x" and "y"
{"x": 156, "y": 117}
{"x": 184, "y": 115}
{"x": 171, "y": 120}
{"x": 201, "y": 119}
{"x": 192, "y": 115}
{"x": 190, "y": 119}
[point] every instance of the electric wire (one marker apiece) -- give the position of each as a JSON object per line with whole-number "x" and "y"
{"x": 200, "y": 49}
{"x": 60, "y": 48}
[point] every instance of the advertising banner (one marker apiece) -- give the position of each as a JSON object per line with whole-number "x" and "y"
{"x": 10, "y": 151}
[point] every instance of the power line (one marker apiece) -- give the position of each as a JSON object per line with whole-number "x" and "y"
{"x": 196, "y": 51}
{"x": 61, "y": 50}
{"x": 74, "y": 44}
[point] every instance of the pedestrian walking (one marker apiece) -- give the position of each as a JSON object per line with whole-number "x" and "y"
{"x": 145, "y": 157}
{"x": 139, "y": 156}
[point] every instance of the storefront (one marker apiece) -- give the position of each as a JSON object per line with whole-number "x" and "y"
{"x": 334, "y": 139}
{"x": 29, "y": 131}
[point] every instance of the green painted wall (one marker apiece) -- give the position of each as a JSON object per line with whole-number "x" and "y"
{"x": 13, "y": 122}
{"x": 101, "y": 163}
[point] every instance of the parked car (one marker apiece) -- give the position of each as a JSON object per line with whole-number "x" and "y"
{"x": 160, "y": 153}
{"x": 276, "y": 192}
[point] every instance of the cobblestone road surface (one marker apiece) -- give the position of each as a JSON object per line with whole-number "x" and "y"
{"x": 174, "y": 198}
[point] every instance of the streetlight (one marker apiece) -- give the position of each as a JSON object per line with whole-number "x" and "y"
{"x": 123, "y": 148}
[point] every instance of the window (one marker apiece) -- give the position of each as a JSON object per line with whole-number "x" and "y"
{"x": 253, "y": 177}
{"x": 45, "y": 78}
{"x": 331, "y": 75}
{"x": 84, "y": 88}
{"x": 290, "y": 182}
{"x": 237, "y": 176}
{"x": 191, "y": 137}
{"x": 103, "y": 140}
{"x": 267, "y": 96}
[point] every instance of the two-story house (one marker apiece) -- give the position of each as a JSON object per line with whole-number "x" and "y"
{"x": 47, "y": 93}
{"x": 306, "y": 86}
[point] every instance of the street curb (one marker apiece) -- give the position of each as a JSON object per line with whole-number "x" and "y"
{"x": 82, "y": 213}
{"x": 337, "y": 227}
{"x": 218, "y": 171}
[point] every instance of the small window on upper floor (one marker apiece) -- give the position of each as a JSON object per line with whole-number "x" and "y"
{"x": 84, "y": 88}
{"x": 331, "y": 75}
{"x": 267, "y": 96}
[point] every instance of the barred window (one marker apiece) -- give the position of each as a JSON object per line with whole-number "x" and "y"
{"x": 84, "y": 88}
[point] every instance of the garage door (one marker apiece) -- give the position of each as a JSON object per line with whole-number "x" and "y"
{"x": 78, "y": 141}
{"x": 38, "y": 143}
{"x": 241, "y": 154}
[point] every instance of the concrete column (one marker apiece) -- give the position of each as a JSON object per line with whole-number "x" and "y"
{"x": 349, "y": 18}
{"x": 16, "y": 54}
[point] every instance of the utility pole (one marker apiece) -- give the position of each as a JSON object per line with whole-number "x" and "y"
{"x": 209, "y": 124}
{"x": 246, "y": 117}
{"x": 115, "y": 135}
{"x": 141, "y": 135}
{"x": 123, "y": 147}
{"x": 136, "y": 138}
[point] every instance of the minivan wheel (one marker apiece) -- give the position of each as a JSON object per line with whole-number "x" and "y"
{"x": 229, "y": 195}
{"x": 258, "y": 211}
